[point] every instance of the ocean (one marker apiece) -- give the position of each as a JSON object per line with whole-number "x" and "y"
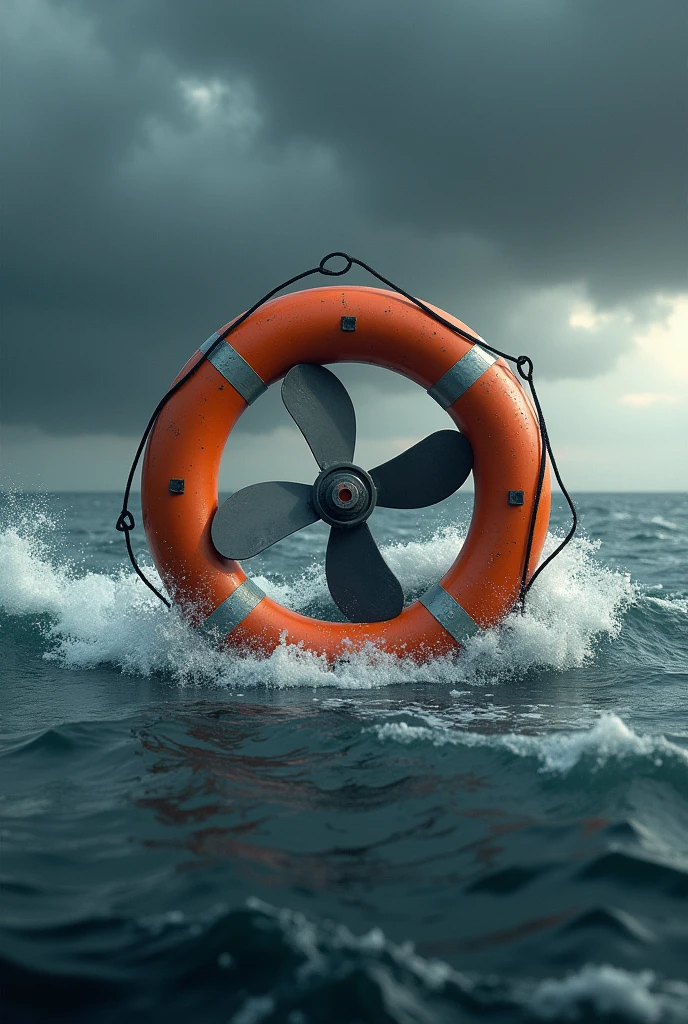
{"x": 190, "y": 835}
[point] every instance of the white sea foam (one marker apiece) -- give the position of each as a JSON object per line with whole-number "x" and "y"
{"x": 558, "y": 753}
{"x": 666, "y": 523}
{"x": 92, "y": 619}
{"x": 672, "y": 604}
{"x": 640, "y": 998}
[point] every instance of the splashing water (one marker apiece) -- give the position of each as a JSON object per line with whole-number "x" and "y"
{"x": 93, "y": 618}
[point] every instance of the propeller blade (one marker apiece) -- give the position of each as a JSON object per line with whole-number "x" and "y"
{"x": 260, "y": 515}
{"x": 320, "y": 406}
{"x": 426, "y": 473}
{"x": 361, "y": 583}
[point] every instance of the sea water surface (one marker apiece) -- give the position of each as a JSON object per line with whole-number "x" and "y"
{"x": 191, "y": 835}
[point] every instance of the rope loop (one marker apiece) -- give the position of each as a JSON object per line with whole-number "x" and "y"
{"x": 524, "y": 364}
{"x": 527, "y": 362}
{"x": 335, "y": 273}
{"x": 125, "y": 522}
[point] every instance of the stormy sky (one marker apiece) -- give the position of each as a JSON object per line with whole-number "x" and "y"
{"x": 521, "y": 163}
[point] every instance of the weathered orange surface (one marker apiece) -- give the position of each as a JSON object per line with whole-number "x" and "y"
{"x": 305, "y": 327}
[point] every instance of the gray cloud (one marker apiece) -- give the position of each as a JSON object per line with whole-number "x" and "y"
{"x": 496, "y": 158}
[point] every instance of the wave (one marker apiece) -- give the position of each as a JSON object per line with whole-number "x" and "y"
{"x": 603, "y": 991}
{"x": 667, "y": 524}
{"x": 609, "y": 739}
{"x": 90, "y": 619}
{"x": 671, "y": 603}
{"x": 406, "y": 986}
{"x": 261, "y": 963}
{"x": 413, "y": 987}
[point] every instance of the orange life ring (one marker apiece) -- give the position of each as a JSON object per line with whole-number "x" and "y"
{"x": 481, "y": 395}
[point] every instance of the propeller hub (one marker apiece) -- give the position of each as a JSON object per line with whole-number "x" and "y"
{"x": 344, "y": 495}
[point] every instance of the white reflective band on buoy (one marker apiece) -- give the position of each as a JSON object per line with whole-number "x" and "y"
{"x": 209, "y": 342}
{"x": 234, "y": 609}
{"x": 460, "y": 376}
{"x": 235, "y": 369}
{"x": 449, "y": 613}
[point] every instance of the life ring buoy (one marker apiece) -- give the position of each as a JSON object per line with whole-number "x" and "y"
{"x": 480, "y": 394}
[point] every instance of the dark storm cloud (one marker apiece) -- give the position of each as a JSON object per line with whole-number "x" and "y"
{"x": 166, "y": 162}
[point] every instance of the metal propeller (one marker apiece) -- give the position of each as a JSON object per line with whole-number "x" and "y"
{"x": 361, "y": 583}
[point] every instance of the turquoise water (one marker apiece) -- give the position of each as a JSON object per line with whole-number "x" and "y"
{"x": 190, "y": 835}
